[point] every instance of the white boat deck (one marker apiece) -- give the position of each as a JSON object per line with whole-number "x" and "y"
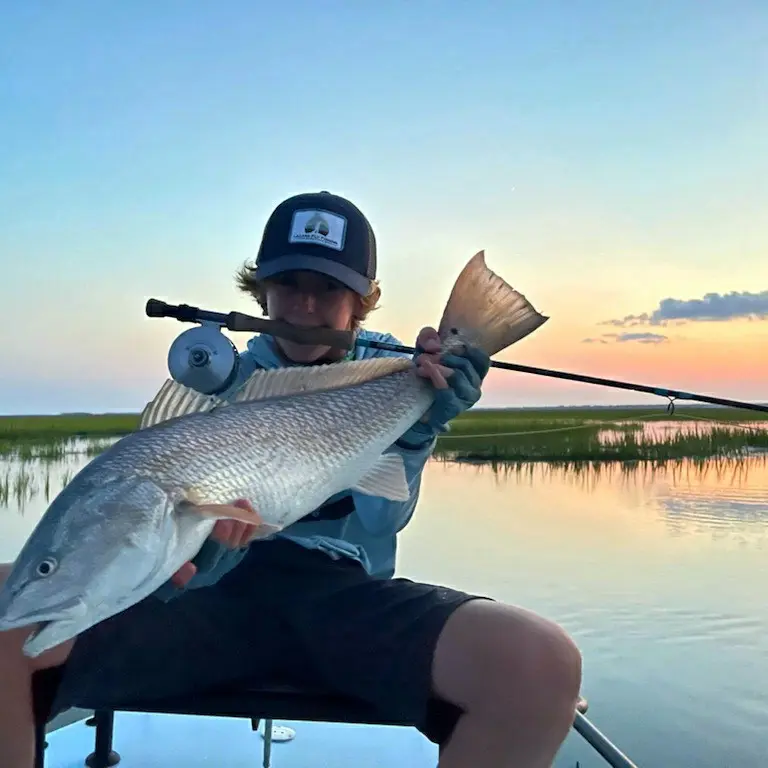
{"x": 158, "y": 741}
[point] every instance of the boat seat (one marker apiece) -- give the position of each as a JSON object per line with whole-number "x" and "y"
{"x": 274, "y": 702}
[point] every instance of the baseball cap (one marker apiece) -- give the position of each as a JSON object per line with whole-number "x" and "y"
{"x": 320, "y": 232}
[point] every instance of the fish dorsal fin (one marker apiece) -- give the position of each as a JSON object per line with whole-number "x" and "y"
{"x": 297, "y": 380}
{"x": 174, "y": 400}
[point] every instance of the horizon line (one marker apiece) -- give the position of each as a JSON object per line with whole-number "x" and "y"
{"x": 591, "y": 406}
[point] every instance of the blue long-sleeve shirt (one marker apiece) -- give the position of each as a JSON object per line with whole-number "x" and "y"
{"x": 368, "y": 535}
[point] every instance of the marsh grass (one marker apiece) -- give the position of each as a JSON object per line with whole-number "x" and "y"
{"x": 544, "y": 434}
{"x": 51, "y": 437}
{"x": 584, "y": 435}
{"x": 23, "y": 480}
{"x": 506, "y": 418}
{"x": 18, "y": 485}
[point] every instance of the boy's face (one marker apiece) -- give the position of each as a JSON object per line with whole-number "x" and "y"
{"x": 312, "y": 299}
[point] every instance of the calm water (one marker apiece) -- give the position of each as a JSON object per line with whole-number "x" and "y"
{"x": 659, "y": 575}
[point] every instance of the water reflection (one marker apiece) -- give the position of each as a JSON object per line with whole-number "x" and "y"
{"x": 718, "y": 496}
{"x": 30, "y": 478}
{"x": 40, "y": 472}
{"x": 750, "y": 471}
{"x": 23, "y": 481}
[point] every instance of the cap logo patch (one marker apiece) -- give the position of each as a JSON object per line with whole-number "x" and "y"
{"x": 318, "y": 228}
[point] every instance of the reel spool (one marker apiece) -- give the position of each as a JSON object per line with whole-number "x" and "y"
{"x": 203, "y": 359}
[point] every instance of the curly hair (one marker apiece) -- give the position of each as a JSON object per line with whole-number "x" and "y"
{"x": 257, "y": 289}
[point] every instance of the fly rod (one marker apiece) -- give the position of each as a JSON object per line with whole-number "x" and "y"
{"x": 196, "y": 349}
{"x": 671, "y": 393}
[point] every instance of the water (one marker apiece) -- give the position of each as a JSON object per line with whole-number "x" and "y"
{"x": 659, "y": 575}
{"x": 660, "y": 429}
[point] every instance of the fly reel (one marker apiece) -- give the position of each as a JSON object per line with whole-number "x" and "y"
{"x": 204, "y": 359}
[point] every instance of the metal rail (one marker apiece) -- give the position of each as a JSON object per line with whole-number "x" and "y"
{"x": 601, "y": 744}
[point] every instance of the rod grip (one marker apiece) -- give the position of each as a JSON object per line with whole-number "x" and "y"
{"x": 237, "y": 321}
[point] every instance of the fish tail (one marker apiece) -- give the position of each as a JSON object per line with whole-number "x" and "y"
{"x": 485, "y": 311}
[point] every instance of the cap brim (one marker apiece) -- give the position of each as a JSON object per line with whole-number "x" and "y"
{"x": 354, "y": 280}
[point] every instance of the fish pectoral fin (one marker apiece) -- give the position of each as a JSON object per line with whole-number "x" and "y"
{"x": 231, "y": 512}
{"x": 386, "y": 478}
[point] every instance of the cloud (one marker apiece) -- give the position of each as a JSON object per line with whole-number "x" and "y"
{"x": 628, "y": 320}
{"x": 713, "y": 307}
{"x": 642, "y": 338}
{"x": 623, "y": 338}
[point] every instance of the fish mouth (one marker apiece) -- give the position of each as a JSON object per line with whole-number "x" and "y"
{"x": 67, "y": 610}
{"x": 49, "y": 634}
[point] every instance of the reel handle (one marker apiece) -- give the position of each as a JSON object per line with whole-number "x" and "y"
{"x": 238, "y": 321}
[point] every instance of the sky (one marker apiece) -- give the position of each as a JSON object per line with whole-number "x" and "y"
{"x": 610, "y": 158}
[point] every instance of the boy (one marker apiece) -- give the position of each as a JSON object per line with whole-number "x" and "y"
{"x": 317, "y": 605}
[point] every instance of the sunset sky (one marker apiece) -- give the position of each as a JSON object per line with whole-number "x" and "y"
{"x": 611, "y": 159}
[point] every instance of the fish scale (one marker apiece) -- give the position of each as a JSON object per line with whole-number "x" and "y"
{"x": 311, "y": 444}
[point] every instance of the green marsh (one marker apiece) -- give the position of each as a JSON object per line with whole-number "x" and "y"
{"x": 514, "y": 434}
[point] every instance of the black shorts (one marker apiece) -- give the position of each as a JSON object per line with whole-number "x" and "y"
{"x": 284, "y": 615}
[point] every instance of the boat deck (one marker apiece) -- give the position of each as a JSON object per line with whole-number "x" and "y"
{"x": 158, "y": 741}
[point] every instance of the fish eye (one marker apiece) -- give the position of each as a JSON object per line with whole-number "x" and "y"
{"x": 46, "y": 567}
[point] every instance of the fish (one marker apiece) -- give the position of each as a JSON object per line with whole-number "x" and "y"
{"x": 287, "y": 440}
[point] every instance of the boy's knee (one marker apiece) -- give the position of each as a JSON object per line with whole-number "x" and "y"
{"x": 543, "y": 671}
{"x": 495, "y": 658}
